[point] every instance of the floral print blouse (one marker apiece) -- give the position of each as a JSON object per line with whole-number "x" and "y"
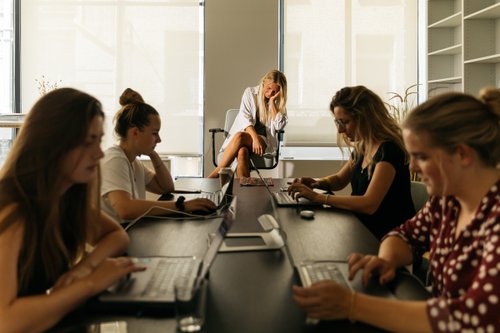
{"x": 465, "y": 271}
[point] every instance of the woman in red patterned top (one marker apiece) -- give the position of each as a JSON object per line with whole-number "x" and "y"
{"x": 453, "y": 140}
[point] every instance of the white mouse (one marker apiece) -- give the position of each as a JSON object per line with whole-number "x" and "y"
{"x": 307, "y": 214}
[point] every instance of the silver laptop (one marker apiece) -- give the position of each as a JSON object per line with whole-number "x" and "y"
{"x": 221, "y": 198}
{"x": 283, "y": 199}
{"x": 311, "y": 272}
{"x": 154, "y": 287}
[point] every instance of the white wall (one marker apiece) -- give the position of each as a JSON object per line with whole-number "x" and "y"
{"x": 241, "y": 45}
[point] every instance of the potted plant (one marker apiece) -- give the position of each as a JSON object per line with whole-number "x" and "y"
{"x": 400, "y": 104}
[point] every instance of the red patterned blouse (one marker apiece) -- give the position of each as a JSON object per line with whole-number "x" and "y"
{"x": 465, "y": 271}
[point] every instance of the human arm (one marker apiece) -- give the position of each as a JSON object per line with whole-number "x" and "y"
{"x": 162, "y": 181}
{"x": 333, "y": 182}
{"x": 394, "y": 252}
{"x": 273, "y": 102}
{"x": 258, "y": 146}
{"x": 328, "y": 300}
{"x": 128, "y": 208}
{"x": 107, "y": 238}
{"x": 40, "y": 312}
{"x": 368, "y": 203}
{"x": 279, "y": 118}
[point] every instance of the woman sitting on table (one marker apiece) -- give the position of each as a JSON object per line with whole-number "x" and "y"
{"x": 377, "y": 170}
{"x": 125, "y": 179}
{"x": 262, "y": 114}
{"x": 49, "y": 213}
{"x": 453, "y": 142}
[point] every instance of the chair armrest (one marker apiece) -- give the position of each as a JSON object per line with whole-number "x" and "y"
{"x": 280, "y": 134}
{"x": 214, "y": 131}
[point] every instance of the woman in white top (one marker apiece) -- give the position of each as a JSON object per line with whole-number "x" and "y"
{"x": 262, "y": 114}
{"x": 125, "y": 179}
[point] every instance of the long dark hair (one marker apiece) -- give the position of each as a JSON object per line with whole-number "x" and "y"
{"x": 55, "y": 226}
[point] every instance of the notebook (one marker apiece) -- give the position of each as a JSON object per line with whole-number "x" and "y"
{"x": 154, "y": 288}
{"x": 283, "y": 199}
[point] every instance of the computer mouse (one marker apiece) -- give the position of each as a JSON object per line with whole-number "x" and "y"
{"x": 307, "y": 214}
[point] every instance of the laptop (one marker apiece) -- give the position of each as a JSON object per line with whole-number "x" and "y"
{"x": 153, "y": 289}
{"x": 221, "y": 198}
{"x": 283, "y": 199}
{"x": 311, "y": 272}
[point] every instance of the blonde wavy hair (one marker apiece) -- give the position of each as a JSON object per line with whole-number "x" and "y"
{"x": 279, "y": 78}
{"x": 373, "y": 121}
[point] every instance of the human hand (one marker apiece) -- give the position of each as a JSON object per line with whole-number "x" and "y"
{"x": 107, "y": 273}
{"x": 199, "y": 204}
{"x": 152, "y": 154}
{"x": 307, "y": 181}
{"x": 371, "y": 264}
{"x": 274, "y": 99}
{"x": 298, "y": 190}
{"x": 110, "y": 271}
{"x": 77, "y": 272}
{"x": 324, "y": 300}
{"x": 258, "y": 147}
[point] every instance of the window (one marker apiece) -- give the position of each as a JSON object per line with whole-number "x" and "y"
{"x": 6, "y": 55}
{"x": 103, "y": 47}
{"x": 6, "y": 72}
{"x": 329, "y": 44}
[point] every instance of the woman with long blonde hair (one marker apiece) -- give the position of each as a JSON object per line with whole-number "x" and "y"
{"x": 254, "y": 131}
{"x": 378, "y": 169}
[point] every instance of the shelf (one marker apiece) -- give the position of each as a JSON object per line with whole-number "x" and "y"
{"x": 463, "y": 45}
{"x": 492, "y": 59}
{"x": 449, "y": 22}
{"x": 450, "y": 80}
{"x": 455, "y": 49}
{"x": 491, "y": 12}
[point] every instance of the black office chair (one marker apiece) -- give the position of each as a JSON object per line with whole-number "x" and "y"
{"x": 267, "y": 161}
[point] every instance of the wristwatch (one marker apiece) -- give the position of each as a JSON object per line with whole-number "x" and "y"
{"x": 179, "y": 204}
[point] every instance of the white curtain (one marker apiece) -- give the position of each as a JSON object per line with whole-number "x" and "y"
{"x": 329, "y": 44}
{"x": 103, "y": 47}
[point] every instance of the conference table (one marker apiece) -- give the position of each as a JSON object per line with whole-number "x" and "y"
{"x": 248, "y": 291}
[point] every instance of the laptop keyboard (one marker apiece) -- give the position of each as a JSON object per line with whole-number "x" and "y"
{"x": 166, "y": 272}
{"x": 284, "y": 198}
{"x": 325, "y": 271}
{"x": 215, "y": 197}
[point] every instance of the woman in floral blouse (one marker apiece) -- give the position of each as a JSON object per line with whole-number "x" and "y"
{"x": 453, "y": 140}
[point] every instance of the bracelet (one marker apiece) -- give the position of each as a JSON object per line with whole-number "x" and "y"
{"x": 179, "y": 204}
{"x": 326, "y": 198}
{"x": 352, "y": 306}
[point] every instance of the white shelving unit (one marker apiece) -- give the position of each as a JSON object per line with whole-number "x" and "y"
{"x": 463, "y": 39}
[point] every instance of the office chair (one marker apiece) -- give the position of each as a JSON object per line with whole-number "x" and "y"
{"x": 420, "y": 265}
{"x": 267, "y": 161}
